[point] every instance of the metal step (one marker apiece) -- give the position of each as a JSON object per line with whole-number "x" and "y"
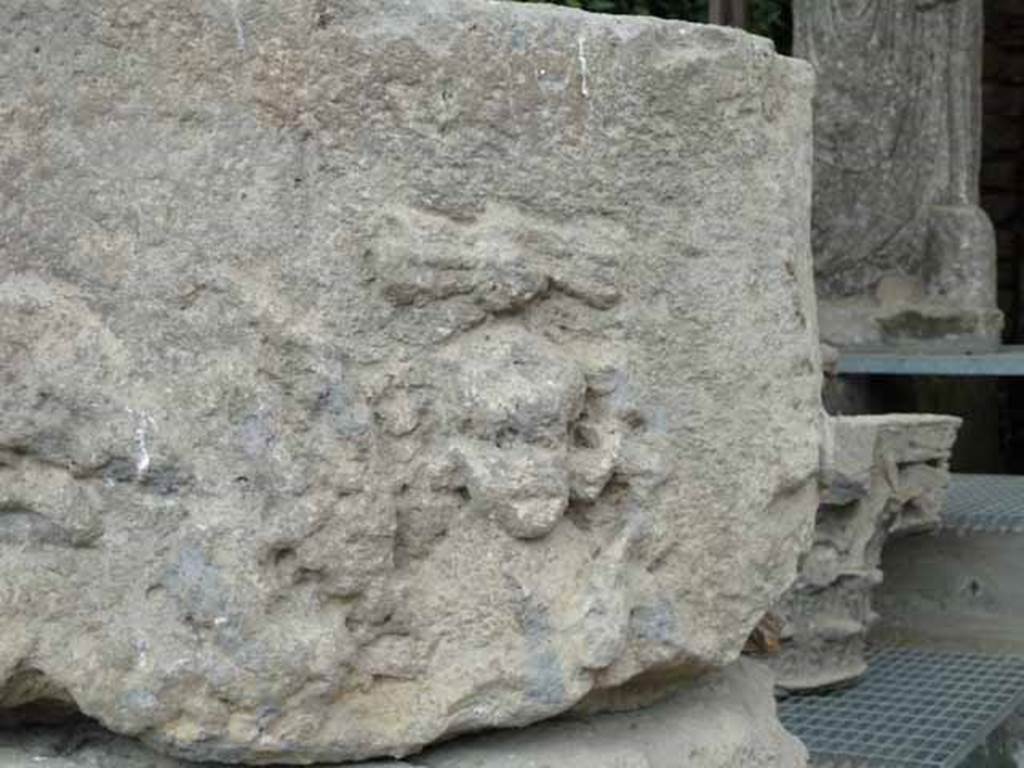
{"x": 985, "y": 503}
{"x": 914, "y": 708}
{"x": 1006, "y": 361}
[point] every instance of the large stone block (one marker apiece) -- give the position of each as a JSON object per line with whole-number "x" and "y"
{"x": 375, "y": 372}
{"x": 903, "y": 254}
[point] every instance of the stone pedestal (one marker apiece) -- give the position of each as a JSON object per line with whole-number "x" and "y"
{"x": 726, "y": 719}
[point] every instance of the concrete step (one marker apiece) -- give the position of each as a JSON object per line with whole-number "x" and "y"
{"x": 962, "y": 586}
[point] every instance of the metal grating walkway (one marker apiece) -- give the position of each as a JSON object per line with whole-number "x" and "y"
{"x": 912, "y": 709}
{"x": 985, "y": 503}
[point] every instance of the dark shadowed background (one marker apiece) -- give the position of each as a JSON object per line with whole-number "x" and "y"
{"x": 770, "y": 18}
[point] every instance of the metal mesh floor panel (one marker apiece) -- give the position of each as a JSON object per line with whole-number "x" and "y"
{"x": 990, "y": 503}
{"x": 913, "y": 709}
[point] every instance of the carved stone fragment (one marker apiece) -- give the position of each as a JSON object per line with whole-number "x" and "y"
{"x": 375, "y": 372}
{"x": 885, "y": 476}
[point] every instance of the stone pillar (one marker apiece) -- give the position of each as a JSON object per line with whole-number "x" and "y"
{"x": 903, "y": 254}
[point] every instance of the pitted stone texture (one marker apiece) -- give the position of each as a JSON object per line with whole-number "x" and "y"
{"x": 903, "y": 254}
{"x": 375, "y": 372}
{"x": 884, "y": 476}
{"x": 726, "y": 719}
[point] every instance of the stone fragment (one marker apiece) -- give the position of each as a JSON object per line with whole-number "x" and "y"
{"x": 903, "y": 254}
{"x": 375, "y": 372}
{"x": 885, "y": 475}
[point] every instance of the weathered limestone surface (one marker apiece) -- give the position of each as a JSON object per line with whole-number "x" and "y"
{"x": 885, "y": 476}
{"x": 725, "y": 719}
{"x": 376, "y": 371}
{"x": 903, "y": 254}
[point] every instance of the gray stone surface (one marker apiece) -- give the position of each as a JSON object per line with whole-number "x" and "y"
{"x": 954, "y": 589}
{"x": 725, "y": 720}
{"x": 885, "y": 476}
{"x": 375, "y": 372}
{"x": 903, "y": 254}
